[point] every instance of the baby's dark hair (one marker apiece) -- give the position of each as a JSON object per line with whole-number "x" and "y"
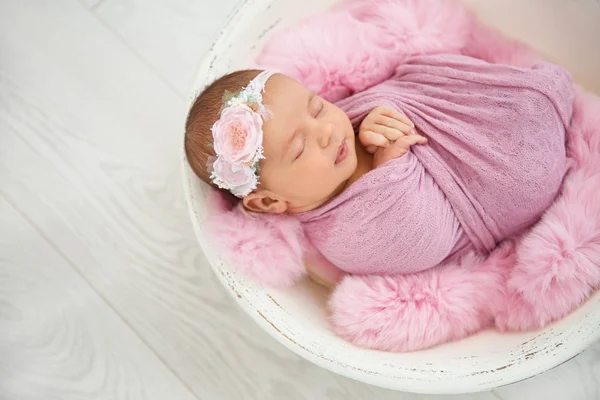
{"x": 204, "y": 113}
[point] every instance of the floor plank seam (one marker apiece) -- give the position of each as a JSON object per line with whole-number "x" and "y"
{"x": 151, "y": 67}
{"x": 58, "y": 250}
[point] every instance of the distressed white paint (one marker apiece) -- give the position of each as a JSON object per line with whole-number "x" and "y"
{"x": 297, "y": 318}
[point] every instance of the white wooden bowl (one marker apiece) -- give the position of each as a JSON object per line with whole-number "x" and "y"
{"x": 566, "y": 33}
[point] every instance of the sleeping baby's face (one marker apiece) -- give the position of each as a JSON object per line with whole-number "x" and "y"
{"x": 309, "y": 150}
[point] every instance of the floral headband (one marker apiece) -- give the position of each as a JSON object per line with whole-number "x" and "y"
{"x": 238, "y": 138}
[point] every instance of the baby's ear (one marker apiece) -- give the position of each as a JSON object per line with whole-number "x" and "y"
{"x": 263, "y": 201}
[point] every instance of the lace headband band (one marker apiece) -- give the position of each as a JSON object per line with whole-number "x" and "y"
{"x": 238, "y": 139}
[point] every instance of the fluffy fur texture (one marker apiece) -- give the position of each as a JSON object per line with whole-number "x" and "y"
{"x": 525, "y": 284}
{"x": 420, "y": 310}
{"x": 558, "y": 260}
{"x": 354, "y": 47}
{"x": 268, "y": 249}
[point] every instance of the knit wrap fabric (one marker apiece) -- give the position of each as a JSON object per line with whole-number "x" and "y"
{"x": 494, "y": 163}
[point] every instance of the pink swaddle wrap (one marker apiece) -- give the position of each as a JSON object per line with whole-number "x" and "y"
{"x": 494, "y": 163}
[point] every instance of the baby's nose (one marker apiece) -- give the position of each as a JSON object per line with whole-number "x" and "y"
{"x": 324, "y": 134}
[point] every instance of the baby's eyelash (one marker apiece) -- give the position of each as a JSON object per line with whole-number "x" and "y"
{"x": 301, "y": 151}
{"x": 321, "y": 109}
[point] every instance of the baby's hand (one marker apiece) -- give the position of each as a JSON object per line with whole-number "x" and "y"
{"x": 397, "y": 149}
{"x": 388, "y": 134}
{"x": 382, "y": 127}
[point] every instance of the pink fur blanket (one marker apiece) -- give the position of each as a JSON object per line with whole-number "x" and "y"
{"x": 525, "y": 283}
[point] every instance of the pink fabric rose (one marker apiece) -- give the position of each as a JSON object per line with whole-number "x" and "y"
{"x": 239, "y": 179}
{"x": 238, "y": 135}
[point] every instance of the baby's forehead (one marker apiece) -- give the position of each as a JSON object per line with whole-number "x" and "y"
{"x": 286, "y": 100}
{"x": 281, "y": 88}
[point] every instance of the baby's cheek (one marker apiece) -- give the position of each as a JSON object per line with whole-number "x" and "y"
{"x": 273, "y": 179}
{"x": 298, "y": 179}
{"x": 327, "y": 175}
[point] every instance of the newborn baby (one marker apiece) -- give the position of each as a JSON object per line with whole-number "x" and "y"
{"x": 449, "y": 155}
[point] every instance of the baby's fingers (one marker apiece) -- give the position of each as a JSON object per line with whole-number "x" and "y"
{"x": 393, "y": 129}
{"x": 410, "y": 140}
{"x": 398, "y": 149}
{"x": 370, "y": 138}
{"x": 397, "y": 115}
{"x": 371, "y": 149}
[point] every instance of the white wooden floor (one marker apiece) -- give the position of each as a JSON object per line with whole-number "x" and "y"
{"x": 104, "y": 293}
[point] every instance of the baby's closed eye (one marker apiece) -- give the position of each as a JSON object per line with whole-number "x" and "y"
{"x": 317, "y": 107}
{"x": 300, "y": 150}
